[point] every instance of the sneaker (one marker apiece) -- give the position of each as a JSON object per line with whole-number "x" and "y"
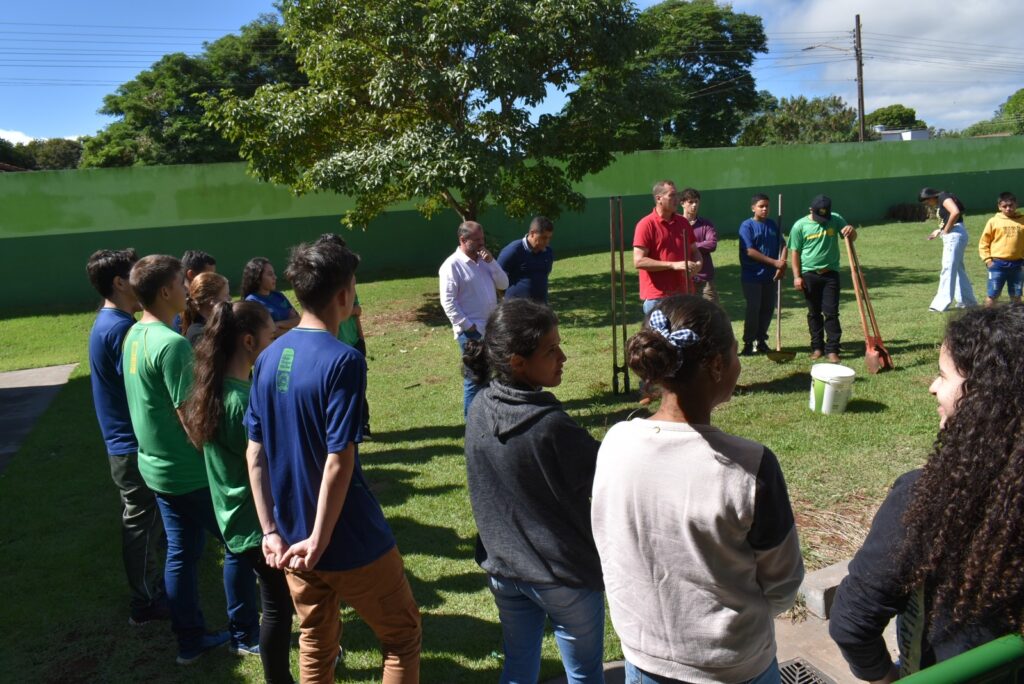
{"x": 187, "y": 656}
{"x": 816, "y": 354}
{"x": 240, "y": 649}
{"x": 748, "y": 349}
{"x": 158, "y": 610}
{"x": 762, "y": 347}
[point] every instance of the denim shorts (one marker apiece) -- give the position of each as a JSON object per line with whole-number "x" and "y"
{"x": 1003, "y": 272}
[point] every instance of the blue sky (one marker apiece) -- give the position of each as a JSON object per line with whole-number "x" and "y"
{"x": 59, "y": 58}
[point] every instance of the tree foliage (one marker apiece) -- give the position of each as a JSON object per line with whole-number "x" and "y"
{"x": 160, "y": 118}
{"x": 697, "y": 59}
{"x": 800, "y": 120}
{"x": 42, "y": 155}
{"x": 434, "y": 100}
{"x": 894, "y": 116}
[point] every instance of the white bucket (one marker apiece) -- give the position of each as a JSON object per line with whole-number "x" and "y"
{"x": 831, "y": 387}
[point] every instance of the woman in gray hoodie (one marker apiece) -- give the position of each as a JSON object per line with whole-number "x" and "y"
{"x": 530, "y": 469}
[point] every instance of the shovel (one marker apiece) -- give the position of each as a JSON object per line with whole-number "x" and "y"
{"x": 876, "y": 356}
{"x": 779, "y": 356}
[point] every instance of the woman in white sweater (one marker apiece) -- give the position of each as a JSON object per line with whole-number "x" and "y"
{"x": 693, "y": 525}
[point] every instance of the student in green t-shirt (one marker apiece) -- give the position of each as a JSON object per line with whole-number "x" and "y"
{"x": 235, "y": 334}
{"x": 157, "y": 366}
{"x": 814, "y": 254}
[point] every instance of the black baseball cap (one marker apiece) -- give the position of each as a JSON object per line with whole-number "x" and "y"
{"x": 821, "y": 207}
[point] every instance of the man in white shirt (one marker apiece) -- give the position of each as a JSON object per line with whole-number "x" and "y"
{"x": 469, "y": 279}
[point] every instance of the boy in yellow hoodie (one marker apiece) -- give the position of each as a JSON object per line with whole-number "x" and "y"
{"x": 1002, "y": 248}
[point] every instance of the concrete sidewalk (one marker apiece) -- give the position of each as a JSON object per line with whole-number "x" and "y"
{"x": 807, "y": 640}
{"x": 24, "y": 397}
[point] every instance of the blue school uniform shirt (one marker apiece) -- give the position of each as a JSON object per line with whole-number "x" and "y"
{"x": 108, "y": 396}
{"x": 527, "y": 270}
{"x": 764, "y": 236}
{"x": 277, "y": 304}
{"x": 306, "y": 402}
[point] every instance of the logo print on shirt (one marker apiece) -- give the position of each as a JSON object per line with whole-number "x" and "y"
{"x": 133, "y": 365}
{"x": 284, "y": 369}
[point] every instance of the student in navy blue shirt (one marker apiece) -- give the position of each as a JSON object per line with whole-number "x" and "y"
{"x": 142, "y": 538}
{"x": 194, "y": 262}
{"x": 528, "y": 262}
{"x": 761, "y": 265}
{"x": 319, "y": 518}
{"x": 259, "y": 284}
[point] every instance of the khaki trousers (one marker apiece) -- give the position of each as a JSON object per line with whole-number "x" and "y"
{"x": 380, "y": 593}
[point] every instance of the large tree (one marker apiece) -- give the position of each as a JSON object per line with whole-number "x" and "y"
{"x": 437, "y": 101}
{"x": 799, "y": 120}
{"x": 160, "y": 116}
{"x": 696, "y": 57}
{"x": 894, "y": 116}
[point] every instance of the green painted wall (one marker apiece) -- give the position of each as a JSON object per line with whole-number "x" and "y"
{"x": 51, "y": 221}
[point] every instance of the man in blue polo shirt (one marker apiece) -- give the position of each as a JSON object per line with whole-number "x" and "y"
{"x": 528, "y": 262}
{"x": 320, "y": 520}
{"x": 143, "y": 543}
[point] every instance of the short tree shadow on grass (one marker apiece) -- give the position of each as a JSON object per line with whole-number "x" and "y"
{"x": 410, "y": 455}
{"x": 415, "y": 537}
{"x": 395, "y": 486}
{"x": 428, "y": 594}
{"x": 865, "y": 406}
{"x": 795, "y": 382}
{"x": 417, "y": 434}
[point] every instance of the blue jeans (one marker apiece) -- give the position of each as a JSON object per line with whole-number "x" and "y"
{"x": 577, "y": 616}
{"x": 650, "y": 305}
{"x": 954, "y": 285}
{"x": 634, "y": 675}
{"x": 469, "y": 388}
{"x": 1003, "y": 272}
{"x": 187, "y": 518}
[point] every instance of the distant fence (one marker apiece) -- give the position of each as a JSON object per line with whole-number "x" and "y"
{"x": 51, "y": 221}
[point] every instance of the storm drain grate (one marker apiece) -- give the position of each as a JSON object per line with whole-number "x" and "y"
{"x": 797, "y": 671}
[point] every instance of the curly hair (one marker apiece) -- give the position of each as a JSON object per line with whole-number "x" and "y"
{"x": 651, "y": 356}
{"x": 965, "y": 520}
{"x": 251, "y": 275}
{"x": 204, "y": 408}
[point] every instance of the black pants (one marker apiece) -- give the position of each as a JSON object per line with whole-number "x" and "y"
{"x": 276, "y": 622}
{"x": 822, "y": 293}
{"x": 760, "y": 309}
{"x": 361, "y": 348}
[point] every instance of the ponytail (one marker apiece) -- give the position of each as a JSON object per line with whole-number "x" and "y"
{"x": 204, "y": 408}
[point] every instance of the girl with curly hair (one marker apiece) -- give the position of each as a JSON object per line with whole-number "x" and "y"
{"x": 694, "y": 526}
{"x": 259, "y": 284}
{"x": 214, "y": 415}
{"x": 944, "y": 554}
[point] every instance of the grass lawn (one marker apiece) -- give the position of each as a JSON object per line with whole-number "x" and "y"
{"x": 65, "y": 619}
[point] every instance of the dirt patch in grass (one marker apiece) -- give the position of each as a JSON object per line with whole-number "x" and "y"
{"x": 426, "y": 311}
{"x": 832, "y": 535}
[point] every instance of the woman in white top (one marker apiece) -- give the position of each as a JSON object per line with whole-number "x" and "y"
{"x": 693, "y": 525}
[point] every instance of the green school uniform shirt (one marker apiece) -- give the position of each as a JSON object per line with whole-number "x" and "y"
{"x": 229, "y": 474}
{"x": 157, "y": 366}
{"x": 348, "y": 331}
{"x": 818, "y": 243}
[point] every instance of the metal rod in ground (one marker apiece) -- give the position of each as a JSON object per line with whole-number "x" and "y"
{"x": 622, "y": 284}
{"x": 611, "y": 255}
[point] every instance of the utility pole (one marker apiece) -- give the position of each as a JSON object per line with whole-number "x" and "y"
{"x": 860, "y": 78}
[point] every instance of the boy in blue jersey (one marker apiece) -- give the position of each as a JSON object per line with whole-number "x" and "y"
{"x": 142, "y": 531}
{"x": 320, "y": 520}
{"x": 761, "y": 265}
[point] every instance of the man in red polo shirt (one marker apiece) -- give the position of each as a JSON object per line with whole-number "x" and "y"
{"x": 665, "y": 250}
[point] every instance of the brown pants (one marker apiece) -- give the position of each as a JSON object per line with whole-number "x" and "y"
{"x": 380, "y": 593}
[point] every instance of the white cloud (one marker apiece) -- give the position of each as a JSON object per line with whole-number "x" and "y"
{"x": 15, "y": 136}
{"x": 941, "y": 58}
